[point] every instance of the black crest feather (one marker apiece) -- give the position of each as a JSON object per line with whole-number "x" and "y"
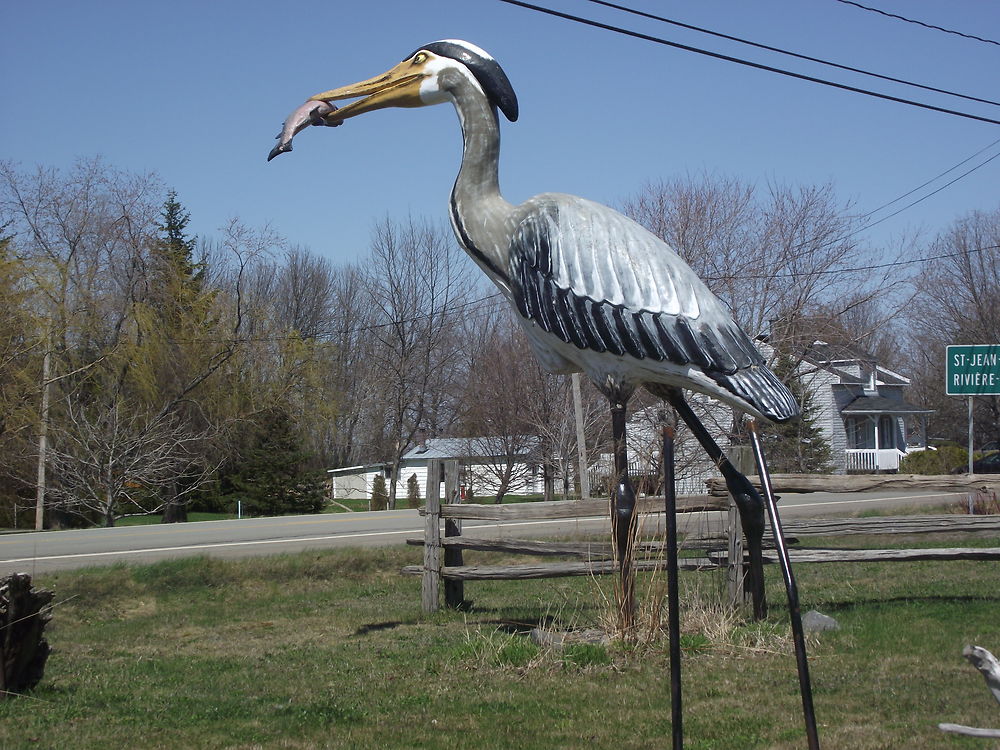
{"x": 486, "y": 70}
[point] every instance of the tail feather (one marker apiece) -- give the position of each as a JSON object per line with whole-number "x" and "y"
{"x": 762, "y": 389}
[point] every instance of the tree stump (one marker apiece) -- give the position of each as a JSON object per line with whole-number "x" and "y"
{"x": 24, "y": 613}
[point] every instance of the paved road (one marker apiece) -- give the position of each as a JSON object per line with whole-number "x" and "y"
{"x": 59, "y": 550}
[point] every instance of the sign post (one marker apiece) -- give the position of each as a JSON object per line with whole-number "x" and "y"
{"x": 972, "y": 370}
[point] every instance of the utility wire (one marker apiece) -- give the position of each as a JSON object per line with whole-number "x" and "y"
{"x": 933, "y": 179}
{"x": 796, "y": 55}
{"x": 747, "y": 63}
{"x": 919, "y": 23}
{"x": 925, "y": 197}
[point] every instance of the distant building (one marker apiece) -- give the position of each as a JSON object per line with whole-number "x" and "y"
{"x": 485, "y": 460}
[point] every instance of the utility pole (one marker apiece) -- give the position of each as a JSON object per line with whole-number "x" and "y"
{"x": 43, "y": 433}
{"x": 581, "y": 440}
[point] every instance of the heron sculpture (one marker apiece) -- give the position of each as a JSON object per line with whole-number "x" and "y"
{"x": 594, "y": 291}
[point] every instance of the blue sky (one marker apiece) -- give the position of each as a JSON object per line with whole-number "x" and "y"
{"x": 196, "y": 91}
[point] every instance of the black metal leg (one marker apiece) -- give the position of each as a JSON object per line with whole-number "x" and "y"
{"x": 747, "y": 498}
{"x": 623, "y": 515}
{"x": 673, "y": 594}
{"x": 798, "y": 635}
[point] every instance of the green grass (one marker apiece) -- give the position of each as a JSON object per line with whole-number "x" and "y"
{"x": 329, "y": 649}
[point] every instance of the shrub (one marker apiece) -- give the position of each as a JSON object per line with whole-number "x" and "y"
{"x": 413, "y": 492}
{"x": 380, "y": 495}
{"x": 940, "y": 461}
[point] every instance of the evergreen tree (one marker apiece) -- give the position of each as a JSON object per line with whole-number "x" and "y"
{"x": 179, "y": 315}
{"x": 797, "y": 447}
{"x": 271, "y": 479}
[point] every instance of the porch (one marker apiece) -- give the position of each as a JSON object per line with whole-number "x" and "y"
{"x": 877, "y": 432}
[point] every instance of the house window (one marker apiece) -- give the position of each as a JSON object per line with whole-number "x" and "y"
{"x": 860, "y": 433}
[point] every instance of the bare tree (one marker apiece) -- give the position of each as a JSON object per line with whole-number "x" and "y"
{"x": 522, "y": 415}
{"x": 416, "y": 283}
{"x": 957, "y": 301}
{"x": 497, "y": 399}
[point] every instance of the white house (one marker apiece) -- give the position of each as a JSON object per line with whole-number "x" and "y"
{"x": 862, "y": 410}
{"x": 485, "y": 461}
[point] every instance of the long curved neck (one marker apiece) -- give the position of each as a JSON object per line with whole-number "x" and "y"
{"x": 479, "y": 213}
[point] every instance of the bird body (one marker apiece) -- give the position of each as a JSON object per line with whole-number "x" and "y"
{"x": 598, "y": 293}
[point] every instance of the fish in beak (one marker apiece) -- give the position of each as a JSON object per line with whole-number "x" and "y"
{"x": 398, "y": 87}
{"x": 309, "y": 113}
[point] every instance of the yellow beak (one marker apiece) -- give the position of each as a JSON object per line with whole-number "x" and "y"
{"x": 398, "y": 87}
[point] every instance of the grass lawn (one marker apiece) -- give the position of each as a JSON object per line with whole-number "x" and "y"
{"x": 329, "y": 649}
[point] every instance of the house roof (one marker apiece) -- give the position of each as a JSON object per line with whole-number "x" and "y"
{"x": 470, "y": 447}
{"x": 882, "y": 405}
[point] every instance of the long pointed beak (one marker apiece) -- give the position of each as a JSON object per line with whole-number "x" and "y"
{"x": 398, "y": 87}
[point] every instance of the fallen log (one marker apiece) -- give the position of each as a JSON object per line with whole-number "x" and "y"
{"x": 867, "y": 482}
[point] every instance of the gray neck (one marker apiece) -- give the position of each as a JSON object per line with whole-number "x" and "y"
{"x": 479, "y": 213}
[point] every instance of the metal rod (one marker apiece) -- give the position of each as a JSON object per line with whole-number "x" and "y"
{"x": 798, "y": 635}
{"x": 970, "y": 434}
{"x": 673, "y": 594}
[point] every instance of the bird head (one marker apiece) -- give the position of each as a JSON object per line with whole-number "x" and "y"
{"x": 427, "y": 76}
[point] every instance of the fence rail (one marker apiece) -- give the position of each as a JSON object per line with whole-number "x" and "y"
{"x": 443, "y": 554}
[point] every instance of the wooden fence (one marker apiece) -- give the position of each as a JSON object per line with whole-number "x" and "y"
{"x": 444, "y": 567}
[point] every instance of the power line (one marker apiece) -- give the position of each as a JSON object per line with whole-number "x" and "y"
{"x": 933, "y": 179}
{"x": 919, "y": 23}
{"x": 747, "y": 63}
{"x": 789, "y": 53}
{"x": 933, "y": 192}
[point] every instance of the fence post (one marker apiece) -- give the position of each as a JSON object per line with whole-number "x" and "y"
{"x": 741, "y": 457}
{"x": 454, "y": 591}
{"x": 430, "y": 585}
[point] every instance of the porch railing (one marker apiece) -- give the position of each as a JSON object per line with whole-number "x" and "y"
{"x": 873, "y": 459}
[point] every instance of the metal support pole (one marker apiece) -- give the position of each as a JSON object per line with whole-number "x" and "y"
{"x": 673, "y": 594}
{"x": 970, "y": 434}
{"x": 798, "y": 635}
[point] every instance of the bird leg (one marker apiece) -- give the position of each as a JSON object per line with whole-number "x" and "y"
{"x": 747, "y": 499}
{"x": 623, "y": 525}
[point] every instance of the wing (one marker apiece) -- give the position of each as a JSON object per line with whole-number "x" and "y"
{"x": 596, "y": 279}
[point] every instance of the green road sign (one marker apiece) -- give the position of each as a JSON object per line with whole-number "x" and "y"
{"x": 973, "y": 370}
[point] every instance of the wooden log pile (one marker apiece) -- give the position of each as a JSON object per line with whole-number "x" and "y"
{"x": 24, "y": 613}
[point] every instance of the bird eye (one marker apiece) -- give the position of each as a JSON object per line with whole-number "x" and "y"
{"x": 420, "y": 58}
